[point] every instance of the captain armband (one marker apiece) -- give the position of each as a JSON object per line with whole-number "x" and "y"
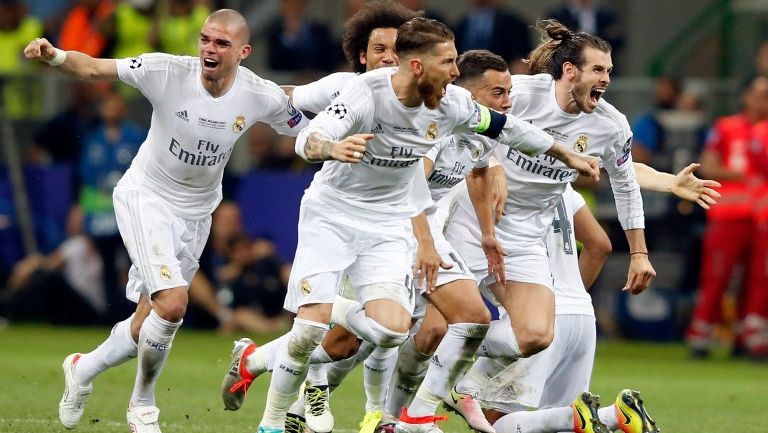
{"x": 491, "y": 122}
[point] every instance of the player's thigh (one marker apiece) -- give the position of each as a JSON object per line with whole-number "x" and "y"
{"x": 431, "y": 331}
{"x": 531, "y": 306}
{"x": 153, "y": 237}
{"x": 575, "y": 354}
{"x": 459, "y": 301}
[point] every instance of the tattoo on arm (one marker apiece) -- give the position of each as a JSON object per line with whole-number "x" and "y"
{"x": 318, "y": 148}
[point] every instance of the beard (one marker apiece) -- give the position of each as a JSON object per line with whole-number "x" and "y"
{"x": 430, "y": 93}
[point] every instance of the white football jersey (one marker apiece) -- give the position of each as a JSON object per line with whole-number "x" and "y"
{"x": 381, "y": 182}
{"x": 317, "y": 95}
{"x": 192, "y": 133}
{"x": 454, "y": 157}
{"x": 570, "y": 295}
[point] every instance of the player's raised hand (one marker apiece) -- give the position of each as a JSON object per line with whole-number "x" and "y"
{"x": 351, "y": 149}
{"x": 640, "y": 275}
{"x": 40, "y": 49}
{"x": 689, "y": 187}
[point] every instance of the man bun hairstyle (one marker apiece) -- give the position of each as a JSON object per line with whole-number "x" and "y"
{"x": 420, "y": 35}
{"x": 559, "y": 45}
{"x": 373, "y": 15}
{"x": 474, "y": 63}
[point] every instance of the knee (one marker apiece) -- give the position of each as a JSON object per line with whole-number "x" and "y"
{"x": 171, "y": 305}
{"x": 533, "y": 341}
{"x": 429, "y": 337}
{"x": 384, "y": 337}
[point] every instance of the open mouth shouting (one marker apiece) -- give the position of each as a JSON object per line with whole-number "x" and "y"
{"x": 210, "y": 63}
{"x": 596, "y": 94}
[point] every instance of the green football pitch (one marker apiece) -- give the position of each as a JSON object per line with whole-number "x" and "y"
{"x": 717, "y": 395}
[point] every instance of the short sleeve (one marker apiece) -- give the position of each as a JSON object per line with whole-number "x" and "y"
{"x": 147, "y": 72}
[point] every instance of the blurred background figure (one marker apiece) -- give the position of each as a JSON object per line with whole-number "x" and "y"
{"x": 179, "y": 26}
{"x": 107, "y": 152}
{"x": 735, "y": 155}
{"x": 586, "y": 16}
{"x": 85, "y": 28}
{"x": 65, "y": 286}
{"x": 489, "y": 26}
{"x": 21, "y": 97}
{"x": 648, "y": 133}
{"x": 298, "y": 43}
{"x": 133, "y": 28}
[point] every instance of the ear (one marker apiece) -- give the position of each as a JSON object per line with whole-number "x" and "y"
{"x": 245, "y": 52}
{"x": 417, "y": 68}
{"x": 569, "y": 70}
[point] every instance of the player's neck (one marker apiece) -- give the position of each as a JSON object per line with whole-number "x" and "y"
{"x": 564, "y": 97}
{"x": 406, "y": 91}
{"x": 218, "y": 88}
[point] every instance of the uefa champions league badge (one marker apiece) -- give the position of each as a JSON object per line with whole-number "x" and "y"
{"x": 432, "y": 131}
{"x": 165, "y": 273}
{"x": 239, "y": 124}
{"x": 581, "y": 144}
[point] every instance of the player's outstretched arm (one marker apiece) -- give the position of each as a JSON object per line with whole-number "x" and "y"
{"x": 684, "y": 185}
{"x": 72, "y": 63}
{"x": 479, "y": 185}
{"x": 427, "y": 262}
{"x": 319, "y": 148}
{"x": 586, "y": 166}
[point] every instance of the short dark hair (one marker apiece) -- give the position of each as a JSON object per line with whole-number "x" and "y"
{"x": 420, "y": 35}
{"x": 474, "y": 63}
{"x": 373, "y": 15}
{"x": 560, "y": 45}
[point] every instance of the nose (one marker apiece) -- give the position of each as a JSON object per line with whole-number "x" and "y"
{"x": 454, "y": 71}
{"x": 389, "y": 57}
{"x": 606, "y": 78}
{"x": 506, "y": 102}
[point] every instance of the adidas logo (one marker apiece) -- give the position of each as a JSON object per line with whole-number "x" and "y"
{"x": 183, "y": 115}
{"x": 435, "y": 360}
{"x": 377, "y": 129}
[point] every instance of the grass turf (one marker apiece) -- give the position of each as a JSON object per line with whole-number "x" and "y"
{"x": 682, "y": 395}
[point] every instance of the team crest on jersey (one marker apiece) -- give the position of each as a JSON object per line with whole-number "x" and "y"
{"x": 337, "y": 110}
{"x": 581, "y": 144}
{"x": 306, "y": 289}
{"x": 239, "y": 124}
{"x": 135, "y": 63}
{"x": 165, "y": 273}
{"x": 432, "y": 131}
{"x": 475, "y": 154}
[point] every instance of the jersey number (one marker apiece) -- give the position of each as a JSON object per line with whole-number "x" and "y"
{"x": 563, "y": 225}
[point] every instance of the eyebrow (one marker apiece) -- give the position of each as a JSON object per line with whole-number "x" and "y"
{"x": 217, "y": 40}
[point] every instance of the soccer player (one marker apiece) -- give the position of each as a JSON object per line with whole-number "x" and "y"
{"x": 549, "y": 379}
{"x": 355, "y": 216}
{"x": 564, "y": 98}
{"x": 164, "y": 202}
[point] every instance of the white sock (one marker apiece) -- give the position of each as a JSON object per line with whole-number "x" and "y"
{"x": 297, "y": 408}
{"x": 263, "y": 358}
{"x": 609, "y": 417}
{"x": 500, "y": 341}
{"x": 155, "y": 338}
{"x": 372, "y": 331}
{"x": 558, "y": 419}
{"x": 410, "y": 370}
{"x": 290, "y": 369}
{"x": 336, "y": 371}
{"x": 377, "y": 374}
{"x": 452, "y": 358}
{"x": 481, "y": 372}
{"x": 316, "y": 375}
{"x": 342, "y": 307}
{"x": 118, "y": 348}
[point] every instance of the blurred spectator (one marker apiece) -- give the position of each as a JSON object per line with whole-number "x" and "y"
{"x": 488, "y": 26}
{"x": 84, "y": 28}
{"x": 133, "y": 27}
{"x": 21, "y": 97}
{"x": 647, "y": 132}
{"x": 179, "y": 26}
{"x": 297, "y": 43}
{"x": 585, "y": 16}
{"x": 257, "y": 281}
{"x": 60, "y": 139}
{"x": 108, "y": 150}
{"x": 418, "y": 5}
{"x": 65, "y": 286}
{"x": 735, "y": 155}
{"x": 270, "y": 151}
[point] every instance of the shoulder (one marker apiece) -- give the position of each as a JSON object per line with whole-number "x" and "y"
{"x": 376, "y": 79}
{"x": 607, "y": 113}
{"x": 256, "y": 86}
{"x": 163, "y": 61}
{"x": 531, "y": 84}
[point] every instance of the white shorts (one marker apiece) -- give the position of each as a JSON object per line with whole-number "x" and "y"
{"x": 460, "y": 270}
{"x": 552, "y": 377}
{"x": 375, "y": 255}
{"x": 164, "y": 248}
{"x": 526, "y": 260}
